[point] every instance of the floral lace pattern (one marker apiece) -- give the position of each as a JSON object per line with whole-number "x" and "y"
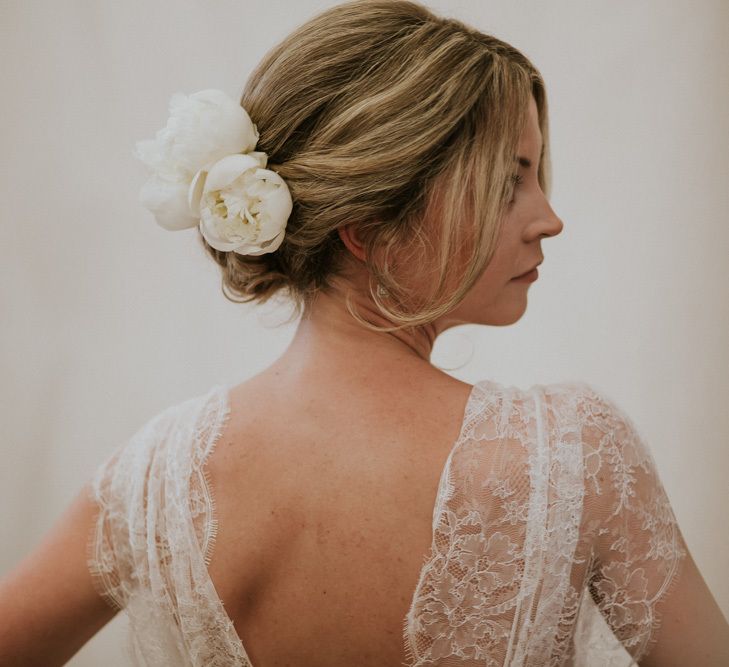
{"x": 554, "y": 542}
{"x": 154, "y": 535}
{"x": 553, "y": 538}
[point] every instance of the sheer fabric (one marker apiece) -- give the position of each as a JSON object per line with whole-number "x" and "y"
{"x": 554, "y": 542}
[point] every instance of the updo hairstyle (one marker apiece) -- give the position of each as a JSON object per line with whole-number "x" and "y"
{"x": 379, "y": 113}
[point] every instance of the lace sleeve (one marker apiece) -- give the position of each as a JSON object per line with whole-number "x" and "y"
{"x": 118, "y": 488}
{"x": 638, "y": 547}
{"x": 152, "y": 538}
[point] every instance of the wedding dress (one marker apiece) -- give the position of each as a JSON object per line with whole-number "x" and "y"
{"x": 539, "y": 482}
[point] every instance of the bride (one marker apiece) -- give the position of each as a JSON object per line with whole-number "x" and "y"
{"x": 387, "y": 172}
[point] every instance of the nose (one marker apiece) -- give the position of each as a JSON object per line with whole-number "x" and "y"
{"x": 545, "y": 223}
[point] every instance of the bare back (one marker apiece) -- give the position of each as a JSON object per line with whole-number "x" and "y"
{"x": 431, "y": 522}
{"x": 325, "y": 506}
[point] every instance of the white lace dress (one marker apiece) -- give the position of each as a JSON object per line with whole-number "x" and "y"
{"x": 554, "y": 542}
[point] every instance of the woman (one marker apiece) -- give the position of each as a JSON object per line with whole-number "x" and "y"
{"x": 368, "y": 508}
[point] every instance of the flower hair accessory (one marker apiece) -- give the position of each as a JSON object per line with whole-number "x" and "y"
{"x": 206, "y": 172}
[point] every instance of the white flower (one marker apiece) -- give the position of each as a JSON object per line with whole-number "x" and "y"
{"x": 202, "y": 128}
{"x": 241, "y": 205}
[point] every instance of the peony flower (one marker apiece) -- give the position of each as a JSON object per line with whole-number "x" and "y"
{"x": 202, "y": 128}
{"x": 242, "y": 206}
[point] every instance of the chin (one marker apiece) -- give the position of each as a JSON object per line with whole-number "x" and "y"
{"x": 504, "y": 316}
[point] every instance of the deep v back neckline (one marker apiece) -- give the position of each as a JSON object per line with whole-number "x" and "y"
{"x": 521, "y": 500}
{"x": 224, "y": 407}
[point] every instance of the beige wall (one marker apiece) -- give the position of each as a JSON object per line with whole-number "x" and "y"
{"x": 107, "y": 318}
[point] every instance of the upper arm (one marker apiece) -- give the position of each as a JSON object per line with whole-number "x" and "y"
{"x": 49, "y": 606}
{"x": 643, "y": 578}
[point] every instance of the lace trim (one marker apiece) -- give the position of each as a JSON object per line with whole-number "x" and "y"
{"x": 215, "y": 424}
{"x": 222, "y": 416}
{"x": 447, "y": 487}
{"x": 103, "y": 572}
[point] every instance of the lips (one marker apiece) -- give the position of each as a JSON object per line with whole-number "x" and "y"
{"x": 521, "y": 275}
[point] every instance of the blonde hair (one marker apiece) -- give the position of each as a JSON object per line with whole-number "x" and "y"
{"x": 407, "y": 124}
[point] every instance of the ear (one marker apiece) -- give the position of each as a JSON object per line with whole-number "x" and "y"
{"x": 349, "y": 237}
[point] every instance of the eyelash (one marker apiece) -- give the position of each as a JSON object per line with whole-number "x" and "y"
{"x": 518, "y": 180}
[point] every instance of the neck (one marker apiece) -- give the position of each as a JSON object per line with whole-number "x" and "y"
{"x": 328, "y": 334}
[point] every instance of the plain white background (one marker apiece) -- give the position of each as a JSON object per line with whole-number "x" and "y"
{"x": 107, "y": 318}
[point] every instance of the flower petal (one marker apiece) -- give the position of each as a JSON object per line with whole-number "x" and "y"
{"x": 194, "y": 192}
{"x": 214, "y": 241}
{"x": 167, "y": 200}
{"x": 256, "y": 249}
{"x": 227, "y": 169}
{"x": 201, "y": 128}
{"x": 277, "y": 202}
{"x": 260, "y": 156}
{"x": 232, "y": 124}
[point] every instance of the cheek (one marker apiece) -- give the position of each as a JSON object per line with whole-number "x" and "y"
{"x": 500, "y": 268}
{"x": 491, "y": 283}
{"x": 494, "y": 283}
{"x": 505, "y": 257}
{"x": 495, "y": 291}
